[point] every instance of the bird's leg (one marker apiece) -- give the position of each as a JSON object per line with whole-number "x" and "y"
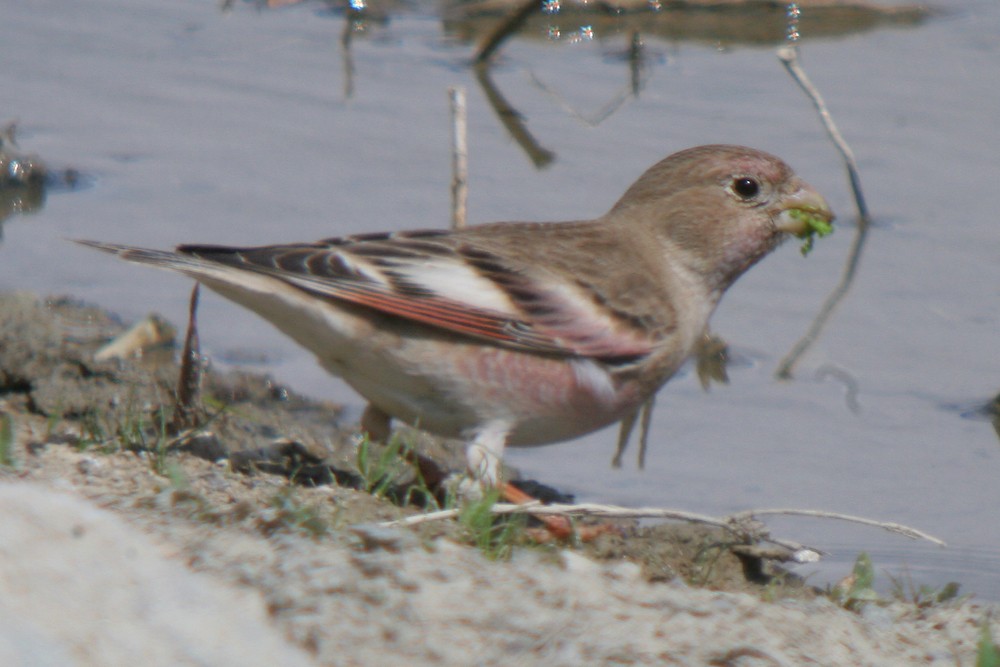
{"x": 485, "y": 454}
{"x": 625, "y": 432}
{"x": 624, "y": 435}
{"x": 556, "y": 527}
{"x": 376, "y": 423}
{"x": 646, "y": 420}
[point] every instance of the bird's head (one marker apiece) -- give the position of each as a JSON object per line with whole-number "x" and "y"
{"x": 722, "y": 207}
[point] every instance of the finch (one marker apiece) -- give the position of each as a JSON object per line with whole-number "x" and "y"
{"x": 520, "y": 333}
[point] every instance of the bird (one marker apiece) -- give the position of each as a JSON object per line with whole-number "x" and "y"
{"x": 519, "y": 333}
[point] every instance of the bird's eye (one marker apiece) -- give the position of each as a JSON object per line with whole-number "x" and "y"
{"x": 745, "y": 187}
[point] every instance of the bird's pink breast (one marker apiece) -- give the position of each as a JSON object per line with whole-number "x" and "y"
{"x": 548, "y": 398}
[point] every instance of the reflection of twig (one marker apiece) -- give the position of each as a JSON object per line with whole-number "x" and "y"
{"x": 508, "y": 27}
{"x": 637, "y": 79}
{"x": 512, "y": 119}
{"x": 459, "y": 157}
{"x": 636, "y": 62}
{"x": 345, "y": 41}
{"x": 784, "y": 371}
{"x": 789, "y": 56}
{"x": 850, "y": 383}
{"x": 993, "y": 409}
{"x": 602, "y": 114}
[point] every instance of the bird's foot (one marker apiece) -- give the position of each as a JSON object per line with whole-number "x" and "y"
{"x": 555, "y": 528}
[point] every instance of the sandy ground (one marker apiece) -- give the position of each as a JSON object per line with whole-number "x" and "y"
{"x": 250, "y": 543}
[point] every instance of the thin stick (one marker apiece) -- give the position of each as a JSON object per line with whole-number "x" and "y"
{"x": 459, "y": 157}
{"x": 189, "y": 380}
{"x": 586, "y": 509}
{"x": 789, "y": 55}
{"x": 737, "y": 523}
{"x": 890, "y": 526}
{"x": 417, "y": 519}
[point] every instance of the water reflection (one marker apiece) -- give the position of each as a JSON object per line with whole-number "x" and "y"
{"x": 725, "y": 24}
{"x": 637, "y": 58}
{"x": 990, "y": 411}
{"x": 976, "y": 410}
{"x": 993, "y": 410}
{"x": 22, "y": 177}
{"x": 491, "y": 23}
{"x": 25, "y": 179}
{"x": 512, "y": 119}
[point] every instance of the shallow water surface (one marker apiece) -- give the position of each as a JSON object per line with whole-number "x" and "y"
{"x": 192, "y": 124}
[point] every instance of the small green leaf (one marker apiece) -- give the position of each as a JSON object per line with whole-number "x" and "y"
{"x": 948, "y": 592}
{"x": 987, "y": 654}
{"x": 864, "y": 574}
{"x": 859, "y": 591}
{"x": 816, "y": 225}
{"x": 6, "y": 440}
{"x": 495, "y": 536}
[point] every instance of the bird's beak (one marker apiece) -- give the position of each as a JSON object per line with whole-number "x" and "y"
{"x": 799, "y": 209}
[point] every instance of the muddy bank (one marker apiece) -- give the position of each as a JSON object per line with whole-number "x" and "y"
{"x": 252, "y": 541}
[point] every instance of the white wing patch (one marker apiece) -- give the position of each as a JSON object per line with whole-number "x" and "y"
{"x": 456, "y": 281}
{"x": 362, "y": 268}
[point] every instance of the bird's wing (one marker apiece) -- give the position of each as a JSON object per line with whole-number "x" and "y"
{"x": 446, "y": 281}
{"x": 437, "y": 279}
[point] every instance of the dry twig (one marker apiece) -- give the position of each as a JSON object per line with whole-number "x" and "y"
{"x": 459, "y": 157}
{"x": 890, "y": 526}
{"x": 189, "y": 382}
{"x": 742, "y": 524}
{"x": 789, "y": 55}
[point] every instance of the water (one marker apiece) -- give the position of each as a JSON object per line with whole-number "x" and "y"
{"x": 250, "y": 126}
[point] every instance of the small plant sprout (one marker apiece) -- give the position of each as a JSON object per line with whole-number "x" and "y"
{"x": 289, "y": 512}
{"x": 857, "y": 590}
{"x": 495, "y": 536}
{"x": 378, "y": 469}
{"x": 987, "y": 653}
{"x": 6, "y": 440}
